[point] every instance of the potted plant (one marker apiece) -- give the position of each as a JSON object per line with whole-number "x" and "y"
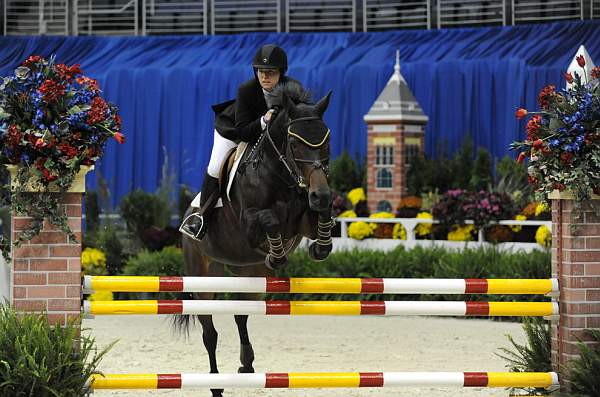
{"x": 53, "y": 123}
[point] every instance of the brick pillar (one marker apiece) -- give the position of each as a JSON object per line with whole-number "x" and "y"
{"x": 576, "y": 264}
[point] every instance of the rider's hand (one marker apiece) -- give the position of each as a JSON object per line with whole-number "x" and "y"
{"x": 269, "y": 115}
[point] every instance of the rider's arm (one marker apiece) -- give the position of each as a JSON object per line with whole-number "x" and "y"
{"x": 248, "y": 125}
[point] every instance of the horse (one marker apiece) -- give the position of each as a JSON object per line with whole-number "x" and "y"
{"x": 280, "y": 194}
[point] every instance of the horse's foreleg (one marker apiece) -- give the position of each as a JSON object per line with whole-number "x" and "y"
{"x": 321, "y": 249}
{"x": 246, "y": 351}
{"x": 276, "y": 257}
{"x": 209, "y": 337}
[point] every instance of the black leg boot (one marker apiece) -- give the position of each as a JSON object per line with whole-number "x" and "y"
{"x": 195, "y": 226}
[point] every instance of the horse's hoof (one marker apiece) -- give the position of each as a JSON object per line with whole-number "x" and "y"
{"x": 217, "y": 392}
{"x": 318, "y": 252}
{"x": 275, "y": 263}
{"x": 245, "y": 370}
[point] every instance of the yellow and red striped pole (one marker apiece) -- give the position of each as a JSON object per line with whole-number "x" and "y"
{"x": 325, "y": 380}
{"x": 341, "y": 308}
{"x": 319, "y": 285}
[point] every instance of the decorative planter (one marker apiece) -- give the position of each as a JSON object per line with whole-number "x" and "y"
{"x": 33, "y": 185}
{"x": 567, "y": 195}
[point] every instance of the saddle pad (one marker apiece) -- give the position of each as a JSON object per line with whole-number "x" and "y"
{"x": 239, "y": 153}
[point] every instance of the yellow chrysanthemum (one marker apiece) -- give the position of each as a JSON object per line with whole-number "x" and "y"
{"x": 383, "y": 214}
{"x": 517, "y": 228}
{"x": 461, "y": 233}
{"x": 347, "y": 214}
{"x": 543, "y": 236}
{"x": 399, "y": 232}
{"x": 359, "y": 230}
{"x": 541, "y": 207}
{"x": 423, "y": 229}
{"x": 101, "y": 296}
{"x": 93, "y": 261}
{"x": 356, "y": 195}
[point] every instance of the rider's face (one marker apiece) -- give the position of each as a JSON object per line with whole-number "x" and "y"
{"x": 268, "y": 78}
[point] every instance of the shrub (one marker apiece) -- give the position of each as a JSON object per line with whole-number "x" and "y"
{"x": 167, "y": 262}
{"x": 37, "y": 359}
{"x": 92, "y": 212}
{"x": 345, "y": 174}
{"x": 584, "y": 370}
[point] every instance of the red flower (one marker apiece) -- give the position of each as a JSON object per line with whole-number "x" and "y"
{"x": 538, "y": 143}
{"x": 39, "y": 163}
{"x": 97, "y": 113}
{"x": 14, "y": 136}
{"x": 596, "y": 72}
{"x": 120, "y": 137}
{"x": 520, "y": 113}
{"x": 566, "y": 158}
{"x": 569, "y": 77}
{"x": 559, "y": 186}
{"x": 68, "y": 150}
{"x": 533, "y": 125}
{"x": 32, "y": 60}
{"x": 531, "y": 180}
{"x": 118, "y": 122}
{"x": 546, "y": 95}
{"x": 521, "y": 157}
{"x": 90, "y": 83}
{"x": 580, "y": 60}
{"x": 52, "y": 91}
{"x": 48, "y": 175}
{"x": 40, "y": 143}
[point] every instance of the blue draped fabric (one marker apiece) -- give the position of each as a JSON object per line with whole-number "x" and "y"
{"x": 468, "y": 81}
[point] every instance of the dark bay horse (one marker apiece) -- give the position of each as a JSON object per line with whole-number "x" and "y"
{"x": 279, "y": 195}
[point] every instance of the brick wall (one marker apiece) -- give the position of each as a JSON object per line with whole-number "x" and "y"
{"x": 576, "y": 264}
{"x": 47, "y": 269}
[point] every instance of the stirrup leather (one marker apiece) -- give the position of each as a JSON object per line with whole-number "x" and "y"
{"x": 183, "y": 229}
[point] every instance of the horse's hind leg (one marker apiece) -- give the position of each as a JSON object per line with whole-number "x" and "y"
{"x": 246, "y": 351}
{"x": 209, "y": 337}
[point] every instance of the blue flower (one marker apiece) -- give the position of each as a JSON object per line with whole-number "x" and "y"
{"x": 554, "y": 143}
{"x": 580, "y": 139}
{"x": 25, "y": 158}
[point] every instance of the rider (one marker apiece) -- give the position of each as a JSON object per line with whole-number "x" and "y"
{"x": 252, "y": 110}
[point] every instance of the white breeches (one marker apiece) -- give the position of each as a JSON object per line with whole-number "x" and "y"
{"x": 221, "y": 147}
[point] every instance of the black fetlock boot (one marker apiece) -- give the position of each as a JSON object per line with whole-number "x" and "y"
{"x": 195, "y": 226}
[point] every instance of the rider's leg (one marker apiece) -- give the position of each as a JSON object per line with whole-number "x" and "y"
{"x": 197, "y": 225}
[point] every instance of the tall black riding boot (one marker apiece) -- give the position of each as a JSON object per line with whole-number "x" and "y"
{"x": 196, "y": 225}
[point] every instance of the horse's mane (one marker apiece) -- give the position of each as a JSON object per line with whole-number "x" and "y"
{"x": 294, "y": 91}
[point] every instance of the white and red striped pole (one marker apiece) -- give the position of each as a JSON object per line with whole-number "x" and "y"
{"x": 341, "y": 308}
{"x": 325, "y": 380}
{"x": 319, "y": 285}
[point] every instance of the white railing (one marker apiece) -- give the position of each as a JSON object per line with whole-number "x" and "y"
{"x": 95, "y": 18}
{"x": 527, "y": 11}
{"x": 309, "y": 15}
{"x": 471, "y": 12}
{"x": 234, "y": 16}
{"x": 35, "y": 17}
{"x": 396, "y": 14}
{"x": 174, "y": 17}
{"x": 410, "y": 224}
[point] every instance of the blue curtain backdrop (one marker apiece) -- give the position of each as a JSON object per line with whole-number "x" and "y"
{"x": 468, "y": 81}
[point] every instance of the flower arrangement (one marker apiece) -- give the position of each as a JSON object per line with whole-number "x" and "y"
{"x": 543, "y": 236}
{"x": 360, "y": 230}
{"x": 356, "y": 195}
{"x": 563, "y": 138}
{"x": 423, "y": 229}
{"x": 399, "y": 232}
{"x": 408, "y": 207}
{"x": 382, "y": 230}
{"x": 461, "y": 233}
{"x": 53, "y": 120}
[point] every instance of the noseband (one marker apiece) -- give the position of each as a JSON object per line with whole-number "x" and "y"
{"x": 292, "y": 167}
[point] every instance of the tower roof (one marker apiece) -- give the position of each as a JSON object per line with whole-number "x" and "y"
{"x": 396, "y": 101}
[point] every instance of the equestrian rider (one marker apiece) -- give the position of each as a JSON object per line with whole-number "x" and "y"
{"x": 252, "y": 111}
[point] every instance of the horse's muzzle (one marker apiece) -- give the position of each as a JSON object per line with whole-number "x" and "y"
{"x": 319, "y": 200}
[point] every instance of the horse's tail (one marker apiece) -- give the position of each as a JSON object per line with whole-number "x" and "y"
{"x": 194, "y": 264}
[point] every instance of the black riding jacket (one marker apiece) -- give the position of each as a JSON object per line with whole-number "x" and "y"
{"x": 239, "y": 120}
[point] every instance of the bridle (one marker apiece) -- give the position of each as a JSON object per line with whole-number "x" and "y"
{"x": 292, "y": 166}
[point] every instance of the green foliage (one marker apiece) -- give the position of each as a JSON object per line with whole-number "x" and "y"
{"x": 481, "y": 175}
{"x": 345, "y": 174}
{"x": 534, "y": 356}
{"x": 185, "y": 198}
{"x": 109, "y": 242}
{"x": 141, "y": 210}
{"x": 39, "y": 360}
{"x": 584, "y": 371}
{"x": 463, "y": 165}
{"x": 422, "y": 263}
{"x": 92, "y": 212}
{"x": 511, "y": 178}
{"x": 167, "y": 262}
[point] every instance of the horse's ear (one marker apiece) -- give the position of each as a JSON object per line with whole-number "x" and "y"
{"x": 323, "y": 104}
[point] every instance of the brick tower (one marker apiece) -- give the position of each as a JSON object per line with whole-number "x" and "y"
{"x": 395, "y": 131}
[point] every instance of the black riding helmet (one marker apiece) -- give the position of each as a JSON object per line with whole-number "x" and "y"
{"x": 270, "y": 56}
